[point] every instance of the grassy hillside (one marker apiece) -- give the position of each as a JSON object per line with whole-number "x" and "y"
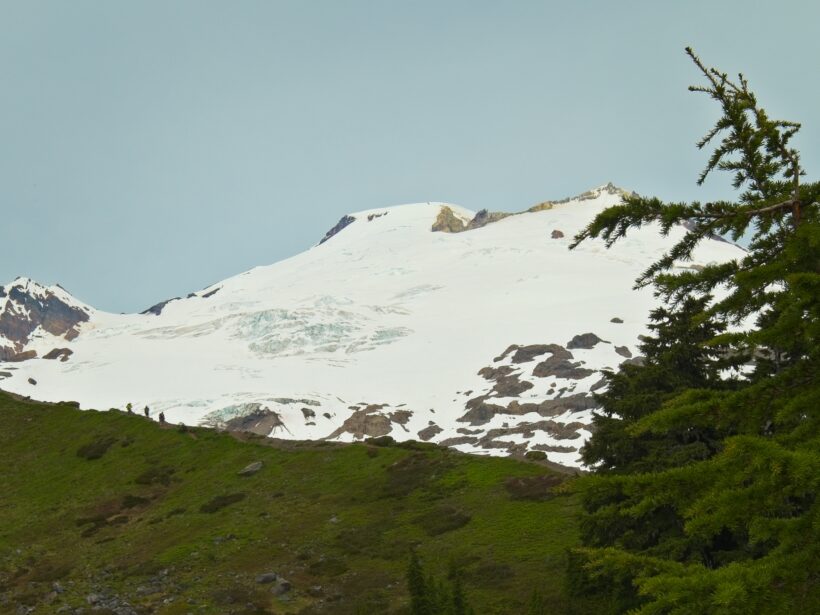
{"x": 102, "y": 510}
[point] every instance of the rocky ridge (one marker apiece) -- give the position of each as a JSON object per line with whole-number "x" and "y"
{"x": 33, "y": 316}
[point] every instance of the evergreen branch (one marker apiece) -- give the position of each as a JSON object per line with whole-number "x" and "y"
{"x": 788, "y": 203}
{"x": 761, "y": 143}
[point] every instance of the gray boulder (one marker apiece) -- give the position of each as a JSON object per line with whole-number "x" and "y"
{"x": 251, "y": 469}
{"x": 267, "y": 577}
{"x": 281, "y": 587}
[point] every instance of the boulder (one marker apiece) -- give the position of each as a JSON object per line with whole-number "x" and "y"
{"x": 623, "y": 351}
{"x": 559, "y": 366}
{"x": 429, "y": 432}
{"x": 584, "y": 341}
{"x": 250, "y": 469}
{"x": 59, "y": 353}
{"x": 267, "y": 577}
{"x": 281, "y": 587}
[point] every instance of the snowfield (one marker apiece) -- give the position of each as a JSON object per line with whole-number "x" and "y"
{"x": 381, "y": 329}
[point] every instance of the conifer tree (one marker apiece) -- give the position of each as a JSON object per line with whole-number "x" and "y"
{"x": 417, "y": 585}
{"x": 673, "y": 360}
{"x": 459, "y": 600}
{"x": 706, "y": 496}
{"x": 432, "y": 596}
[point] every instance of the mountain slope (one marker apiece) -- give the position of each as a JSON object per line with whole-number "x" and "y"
{"x": 489, "y": 339}
{"x": 113, "y": 514}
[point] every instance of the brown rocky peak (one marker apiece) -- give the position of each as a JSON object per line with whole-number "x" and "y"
{"x": 26, "y": 305}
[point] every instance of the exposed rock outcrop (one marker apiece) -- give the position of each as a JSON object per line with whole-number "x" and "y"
{"x": 308, "y": 414}
{"x": 157, "y": 308}
{"x": 480, "y": 411}
{"x": 456, "y": 441}
{"x": 30, "y": 306}
{"x": 584, "y": 340}
{"x": 371, "y": 421}
{"x": 494, "y": 373}
{"x": 12, "y": 356}
{"x": 507, "y": 383}
{"x": 599, "y": 384}
{"x": 525, "y": 354}
{"x": 623, "y": 351}
{"x": 429, "y": 432}
{"x": 484, "y": 217}
{"x": 59, "y": 353}
{"x": 400, "y": 417}
{"x": 447, "y": 221}
{"x": 639, "y": 361}
{"x": 511, "y": 386}
{"x": 343, "y": 223}
{"x": 560, "y": 365}
{"x": 558, "y": 431}
{"x": 543, "y": 206}
{"x": 540, "y": 420}
{"x": 259, "y": 420}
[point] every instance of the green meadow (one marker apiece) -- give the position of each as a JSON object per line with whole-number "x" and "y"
{"x": 106, "y": 510}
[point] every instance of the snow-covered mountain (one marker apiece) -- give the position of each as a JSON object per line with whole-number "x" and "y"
{"x": 486, "y": 334}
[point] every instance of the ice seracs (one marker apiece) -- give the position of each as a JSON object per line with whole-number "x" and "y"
{"x": 386, "y": 327}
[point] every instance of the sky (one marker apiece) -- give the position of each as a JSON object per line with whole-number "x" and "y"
{"x": 151, "y": 148}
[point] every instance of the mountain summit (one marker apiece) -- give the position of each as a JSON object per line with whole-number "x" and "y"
{"x": 34, "y": 317}
{"x": 484, "y": 333}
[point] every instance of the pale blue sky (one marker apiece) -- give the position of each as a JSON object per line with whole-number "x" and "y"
{"x": 151, "y": 148}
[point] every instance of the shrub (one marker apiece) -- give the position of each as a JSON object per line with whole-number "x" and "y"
{"x": 155, "y": 475}
{"x": 221, "y": 501}
{"x": 132, "y": 501}
{"x": 96, "y": 448}
{"x": 532, "y": 487}
{"x": 381, "y": 441}
{"x": 328, "y": 567}
{"x": 442, "y": 520}
{"x": 411, "y": 473}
